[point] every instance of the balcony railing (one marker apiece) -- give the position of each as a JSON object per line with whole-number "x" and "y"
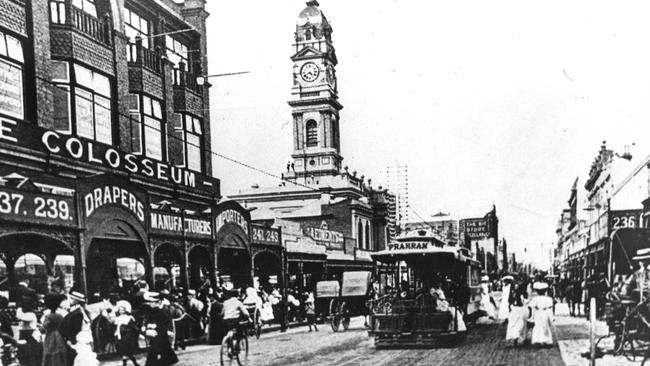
{"x": 139, "y": 54}
{"x": 186, "y": 79}
{"x": 64, "y": 13}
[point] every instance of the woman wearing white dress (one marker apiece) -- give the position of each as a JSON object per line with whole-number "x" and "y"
{"x": 541, "y": 307}
{"x": 486, "y": 302}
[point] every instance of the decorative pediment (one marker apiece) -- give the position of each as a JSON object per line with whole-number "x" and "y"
{"x": 307, "y": 53}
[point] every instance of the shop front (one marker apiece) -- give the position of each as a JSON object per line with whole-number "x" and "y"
{"x": 267, "y": 256}
{"x": 232, "y": 225}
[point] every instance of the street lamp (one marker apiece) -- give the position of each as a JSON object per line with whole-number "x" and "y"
{"x": 201, "y": 80}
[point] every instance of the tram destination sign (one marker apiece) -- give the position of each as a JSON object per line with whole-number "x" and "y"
{"x": 172, "y": 223}
{"x": 411, "y": 245}
{"x": 37, "y": 207}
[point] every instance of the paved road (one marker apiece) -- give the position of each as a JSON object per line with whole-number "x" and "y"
{"x": 484, "y": 346}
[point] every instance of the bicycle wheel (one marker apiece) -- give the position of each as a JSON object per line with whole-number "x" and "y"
{"x": 227, "y": 357}
{"x": 258, "y": 324}
{"x": 242, "y": 351}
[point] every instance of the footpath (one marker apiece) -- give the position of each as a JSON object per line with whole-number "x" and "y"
{"x": 572, "y": 336}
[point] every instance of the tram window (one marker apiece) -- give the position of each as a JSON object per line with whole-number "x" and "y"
{"x": 130, "y": 269}
{"x": 32, "y": 267}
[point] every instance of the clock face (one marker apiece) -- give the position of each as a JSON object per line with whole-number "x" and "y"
{"x": 309, "y": 72}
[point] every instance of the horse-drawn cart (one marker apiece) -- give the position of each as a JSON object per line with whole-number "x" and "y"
{"x": 347, "y": 300}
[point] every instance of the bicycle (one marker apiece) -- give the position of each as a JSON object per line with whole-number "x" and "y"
{"x": 234, "y": 345}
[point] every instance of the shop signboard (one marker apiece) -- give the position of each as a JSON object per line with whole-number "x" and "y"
{"x": 106, "y": 191}
{"x": 37, "y": 207}
{"x": 625, "y": 219}
{"x": 175, "y": 223}
{"x": 265, "y": 235}
{"x": 475, "y": 229}
{"x": 329, "y": 238}
{"x": 93, "y": 152}
{"x": 231, "y": 216}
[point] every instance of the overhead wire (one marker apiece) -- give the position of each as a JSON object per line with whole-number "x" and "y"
{"x": 168, "y": 135}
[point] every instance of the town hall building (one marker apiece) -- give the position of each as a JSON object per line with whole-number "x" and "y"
{"x": 331, "y": 218}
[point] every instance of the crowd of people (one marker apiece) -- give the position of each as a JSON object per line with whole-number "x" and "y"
{"x": 62, "y": 328}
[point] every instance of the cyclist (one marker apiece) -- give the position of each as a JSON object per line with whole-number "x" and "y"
{"x": 233, "y": 311}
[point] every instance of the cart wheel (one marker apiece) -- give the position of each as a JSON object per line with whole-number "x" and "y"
{"x": 346, "y": 323}
{"x": 335, "y": 322}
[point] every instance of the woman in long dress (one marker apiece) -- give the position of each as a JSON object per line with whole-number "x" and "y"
{"x": 55, "y": 350}
{"x": 518, "y": 316}
{"x": 541, "y": 307}
{"x": 486, "y": 302}
{"x": 504, "y": 306}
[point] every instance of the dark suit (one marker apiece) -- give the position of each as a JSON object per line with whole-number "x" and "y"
{"x": 70, "y": 327}
{"x": 25, "y": 298}
{"x": 160, "y": 348}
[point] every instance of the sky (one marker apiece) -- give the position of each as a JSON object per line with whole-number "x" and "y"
{"x": 487, "y": 102}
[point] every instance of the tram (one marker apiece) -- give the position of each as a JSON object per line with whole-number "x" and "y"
{"x": 434, "y": 283}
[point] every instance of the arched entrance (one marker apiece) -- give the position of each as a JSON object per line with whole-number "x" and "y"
{"x": 199, "y": 266}
{"x": 168, "y": 267}
{"x": 267, "y": 268}
{"x": 119, "y": 254}
{"x": 34, "y": 257}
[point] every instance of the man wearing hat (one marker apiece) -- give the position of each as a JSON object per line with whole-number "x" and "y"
{"x": 75, "y": 329}
{"x": 158, "y": 328}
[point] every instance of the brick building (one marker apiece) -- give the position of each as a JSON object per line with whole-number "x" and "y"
{"x": 105, "y": 163}
{"x": 331, "y": 217}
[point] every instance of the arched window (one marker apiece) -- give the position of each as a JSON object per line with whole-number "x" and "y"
{"x": 360, "y": 234}
{"x": 367, "y": 236}
{"x": 312, "y": 133}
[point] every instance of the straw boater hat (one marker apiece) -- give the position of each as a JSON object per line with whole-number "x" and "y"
{"x": 485, "y": 279}
{"x": 78, "y": 296}
{"x": 151, "y": 296}
{"x": 642, "y": 254}
{"x": 540, "y": 286}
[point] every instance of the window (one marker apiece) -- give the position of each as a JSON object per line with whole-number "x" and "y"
{"x": 176, "y": 53}
{"x": 135, "y": 25}
{"x": 11, "y": 76}
{"x": 312, "y": 133}
{"x": 146, "y": 126}
{"x": 360, "y": 234}
{"x": 367, "y": 236}
{"x": 57, "y": 11}
{"x": 188, "y": 129}
{"x": 87, "y": 97}
{"x": 88, "y": 6}
{"x": 135, "y": 123}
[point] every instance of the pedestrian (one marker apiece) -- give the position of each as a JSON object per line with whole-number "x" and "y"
{"x": 310, "y": 311}
{"x": 215, "y": 324}
{"x": 486, "y": 301}
{"x": 517, "y": 327}
{"x": 126, "y": 333}
{"x": 504, "y": 306}
{"x": 157, "y": 328}
{"x": 541, "y": 307}
{"x": 76, "y": 330}
{"x": 55, "y": 349}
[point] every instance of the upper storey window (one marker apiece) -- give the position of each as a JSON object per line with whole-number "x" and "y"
{"x": 88, "y": 6}
{"x": 189, "y": 131}
{"x": 312, "y": 133}
{"x": 82, "y": 102}
{"x": 176, "y": 53}
{"x": 135, "y": 25}
{"x": 11, "y": 76}
{"x": 147, "y": 126}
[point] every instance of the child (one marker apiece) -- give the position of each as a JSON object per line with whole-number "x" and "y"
{"x": 541, "y": 307}
{"x": 126, "y": 333}
{"x": 310, "y": 310}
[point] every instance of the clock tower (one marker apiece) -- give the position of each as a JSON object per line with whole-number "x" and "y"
{"x": 314, "y": 99}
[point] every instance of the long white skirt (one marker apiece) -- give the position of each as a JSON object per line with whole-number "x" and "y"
{"x": 543, "y": 329}
{"x": 85, "y": 354}
{"x": 517, "y": 324}
{"x": 504, "y": 307}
